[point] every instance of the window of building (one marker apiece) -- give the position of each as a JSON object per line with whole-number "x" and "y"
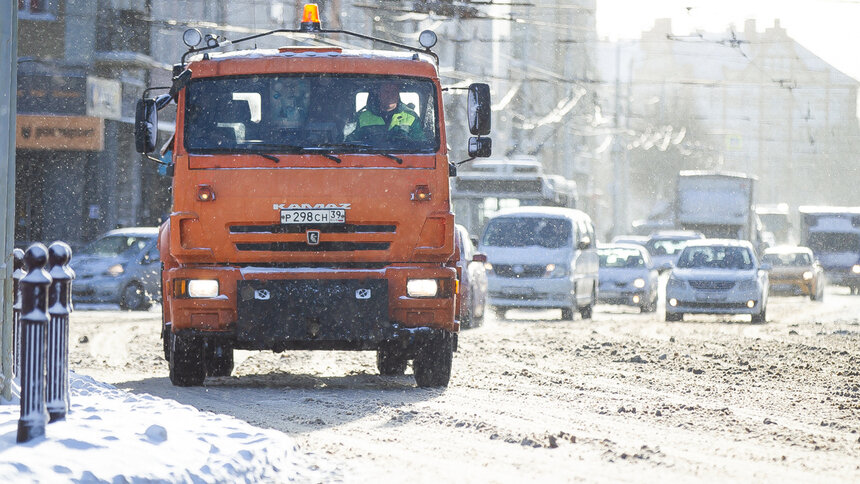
{"x": 37, "y": 9}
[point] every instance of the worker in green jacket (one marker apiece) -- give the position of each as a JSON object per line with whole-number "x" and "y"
{"x": 386, "y": 117}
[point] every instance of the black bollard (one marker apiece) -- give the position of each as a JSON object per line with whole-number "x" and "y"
{"x": 34, "y": 318}
{"x": 20, "y": 271}
{"x": 57, "y": 342}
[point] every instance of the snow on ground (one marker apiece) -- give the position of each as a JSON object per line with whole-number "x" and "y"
{"x": 114, "y": 436}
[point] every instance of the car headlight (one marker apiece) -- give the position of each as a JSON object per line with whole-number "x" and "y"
{"x": 807, "y": 275}
{"x": 115, "y": 270}
{"x": 856, "y": 269}
{"x": 202, "y": 288}
{"x": 639, "y": 283}
{"x": 422, "y": 287}
{"x": 556, "y": 270}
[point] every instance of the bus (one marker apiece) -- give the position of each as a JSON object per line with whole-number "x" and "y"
{"x": 483, "y": 188}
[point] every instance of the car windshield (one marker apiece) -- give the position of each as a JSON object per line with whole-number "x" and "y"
{"x": 778, "y": 260}
{"x": 547, "y": 232}
{"x": 298, "y": 113}
{"x": 715, "y": 257}
{"x": 665, "y": 246}
{"x": 114, "y": 245}
{"x": 618, "y": 258}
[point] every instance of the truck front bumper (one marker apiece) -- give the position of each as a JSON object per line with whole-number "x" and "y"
{"x": 313, "y": 308}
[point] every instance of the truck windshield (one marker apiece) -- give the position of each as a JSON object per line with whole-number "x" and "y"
{"x": 294, "y": 113}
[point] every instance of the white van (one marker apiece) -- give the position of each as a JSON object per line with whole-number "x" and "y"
{"x": 541, "y": 257}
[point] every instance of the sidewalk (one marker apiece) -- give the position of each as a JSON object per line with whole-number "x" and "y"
{"x": 114, "y": 436}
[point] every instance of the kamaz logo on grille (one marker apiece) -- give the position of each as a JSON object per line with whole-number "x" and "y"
{"x": 313, "y": 237}
{"x": 262, "y": 295}
{"x": 294, "y": 206}
{"x": 362, "y": 294}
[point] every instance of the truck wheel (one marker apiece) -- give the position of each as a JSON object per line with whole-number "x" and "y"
{"x": 432, "y": 364}
{"x": 187, "y": 366}
{"x": 219, "y": 358}
{"x": 390, "y": 362}
{"x": 165, "y": 340}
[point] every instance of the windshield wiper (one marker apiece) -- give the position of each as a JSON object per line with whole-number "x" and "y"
{"x": 296, "y": 149}
{"x": 364, "y": 148}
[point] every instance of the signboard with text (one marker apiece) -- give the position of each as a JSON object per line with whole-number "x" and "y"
{"x": 66, "y": 133}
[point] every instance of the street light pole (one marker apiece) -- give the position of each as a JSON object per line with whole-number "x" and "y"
{"x": 8, "y": 93}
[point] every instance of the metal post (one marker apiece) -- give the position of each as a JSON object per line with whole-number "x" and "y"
{"x": 8, "y": 93}
{"x": 34, "y": 318}
{"x": 57, "y": 344}
{"x": 20, "y": 271}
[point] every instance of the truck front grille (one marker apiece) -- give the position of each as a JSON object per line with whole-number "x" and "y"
{"x": 323, "y": 228}
{"x": 304, "y": 247}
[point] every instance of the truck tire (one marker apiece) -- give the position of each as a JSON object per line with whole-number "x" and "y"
{"x": 187, "y": 365}
{"x": 219, "y": 358}
{"x": 390, "y": 362}
{"x": 432, "y": 364}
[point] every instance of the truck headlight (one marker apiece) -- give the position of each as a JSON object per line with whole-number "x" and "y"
{"x": 639, "y": 283}
{"x": 115, "y": 270}
{"x": 422, "y": 287}
{"x": 807, "y": 275}
{"x": 202, "y": 288}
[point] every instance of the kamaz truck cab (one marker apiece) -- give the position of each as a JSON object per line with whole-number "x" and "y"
{"x": 306, "y": 215}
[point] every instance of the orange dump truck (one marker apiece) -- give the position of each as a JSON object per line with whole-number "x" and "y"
{"x": 310, "y": 204}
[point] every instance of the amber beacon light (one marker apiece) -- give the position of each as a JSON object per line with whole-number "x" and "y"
{"x": 311, "y": 18}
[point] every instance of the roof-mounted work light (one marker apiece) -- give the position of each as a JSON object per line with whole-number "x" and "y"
{"x": 311, "y": 19}
{"x": 192, "y": 38}
{"x": 427, "y": 39}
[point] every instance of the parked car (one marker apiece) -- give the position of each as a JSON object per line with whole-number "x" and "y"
{"x": 795, "y": 271}
{"x": 627, "y": 277}
{"x": 122, "y": 267}
{"x": 666, "y": 245}
{"x": 541, "y": 257}
{"x": 472, "y": 300}
{"x": 717, "y": 276}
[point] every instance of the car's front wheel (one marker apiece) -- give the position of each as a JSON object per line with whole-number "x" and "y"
{"x": 134, "y": 298}
{"x": 760, "y": 317}
{"x": 672, "y": 317}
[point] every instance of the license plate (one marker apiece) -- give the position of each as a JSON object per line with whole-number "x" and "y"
{"x": 314, "y": 216}
{"x": 710, "y": 297}
{"x": 518, "y": 291}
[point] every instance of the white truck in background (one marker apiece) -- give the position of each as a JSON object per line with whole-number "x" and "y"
{"x": 833, "y": 234}
{"x": 718, "y": 204}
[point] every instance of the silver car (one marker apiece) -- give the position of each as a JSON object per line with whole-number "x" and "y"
{"x": 627, "y": 277}
{"x": 121, "y": 267}
{"x": 717, "y": 276}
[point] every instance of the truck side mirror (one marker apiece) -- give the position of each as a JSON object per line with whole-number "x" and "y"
{"x": 145, "y": 125}
{"x": 480, "y": 147}
{"x": 479, "y": 109}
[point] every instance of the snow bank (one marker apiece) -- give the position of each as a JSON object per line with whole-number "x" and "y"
{"x": 113, "y": 436}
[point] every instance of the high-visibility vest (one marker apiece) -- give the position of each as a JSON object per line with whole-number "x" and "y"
{"x": 401, "y": 118}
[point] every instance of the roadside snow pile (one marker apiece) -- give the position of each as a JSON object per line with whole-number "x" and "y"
{"x": 113, "y": 436}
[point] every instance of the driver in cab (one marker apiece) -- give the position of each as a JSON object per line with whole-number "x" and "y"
{"x": 385, "y": 116}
